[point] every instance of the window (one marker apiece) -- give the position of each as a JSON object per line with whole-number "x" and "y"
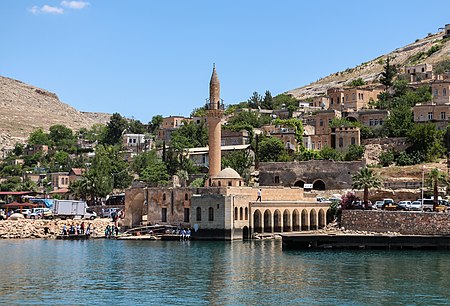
{"x": 353, "y": 141}
{"x": 346, "y": 98}
{"x": 235, "y": 213}
{"x": 277, "y": 179}
{"x": 164, "y": 214}
{"x": 186, "y": 215}
{"x": 381, "y": 121}
{"x": 164, "y": 196}
{"x": 331, "y": 101}
{"x": 321, "y": 122}
{"x": 230, "y": 183}
{"x": 370, "y": 122}
{"x": 430, "y": 115}
{"x": 199, "y": 214}
{"x": 211, "y": 214}
{"x": 435, "y": 92}
{"x": 375, "y": 122}
{"x": 246, "y": 213}
{"x": 423, "y": 69}
{"x": 241, "y": 213}
{"x": 443, "y": 116}
{"x": 186, "y": 197}
{"x": 444, "y": 92}
{"x": 341, "y": 142}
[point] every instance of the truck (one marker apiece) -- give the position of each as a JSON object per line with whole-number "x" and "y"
{"x": 71, "y": 209}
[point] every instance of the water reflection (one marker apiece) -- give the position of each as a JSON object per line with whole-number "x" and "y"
{"x": 174, "y": 272}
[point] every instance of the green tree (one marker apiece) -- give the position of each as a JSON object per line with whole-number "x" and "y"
{"x": 366, "y": 179}
{"x": 293, "y": 123}
{"x": 267, "y": 102}
{"x": 271, "y": 149}
{"x": 400, "y": 121}
{"x": 442, "y": 66}
{"x": 356, "y": 82}
{"x": 140, "y": 162}
{"x": 354, "y": 152}
{"x": 81, "y": 189}
{"x": 115, "y": 128}
{"x": 38, "y": 137}
{"x": 388, "y": 74}
{"x": 62, "y": 137}
{"x": 330, "y": 154}
{"x": 136, "y": 127}
{"x": 434, "y": 178}
{"x": 190, "y": 135}
{"x": 18, "y": 149}
{"x": 241, "y": 161}
{"x": 386, "y": 158}
{"x": 426, "y": 140}
{"x": 155, "y": 123}
{"x": 255, "y": 100}
{"x": 155, "y": 173}
{"x": 283, "y": 101}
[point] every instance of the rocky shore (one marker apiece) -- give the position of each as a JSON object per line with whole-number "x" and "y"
{"x": 25, "y": 229}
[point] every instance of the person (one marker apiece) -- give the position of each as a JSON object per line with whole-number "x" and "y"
{"x": 82, "y": 228}
{"x": 64, "y": 230}
{"x": 182, "y": 234}
{"x": 188, "y": 234}
{"x": 117, "y": 231}
{"x": 259, "y": 195}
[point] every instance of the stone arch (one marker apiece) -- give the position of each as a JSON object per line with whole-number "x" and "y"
{"x": 134, "y": 209}
{"x": 313, "y": 220}
{"x": 241, "y": 213}
{"x": 257, "y": 221}
{"x": 277, "y": 221}
{"x": 351, "y": 119}
{"x": 198, "y": 213}
{"x": 245, "y": 233}
{"x": 286, "y": 221}
{"x": 295, "y": 220}
{"x": 322, "y": 219}
{"x": 299, "y": 183}
{"x": 267, "y": 221}
{"x": 319, "y": 185}
{"x": 305, "y": 221}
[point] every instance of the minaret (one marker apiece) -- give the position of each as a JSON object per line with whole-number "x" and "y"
{"x": 214, "y": 110}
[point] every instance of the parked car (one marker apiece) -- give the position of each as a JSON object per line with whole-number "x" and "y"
{"x": 360, "y": 205}
{"x": 107, "y": 212}
{"x": 416, "y": 206}
{"x": 379, "y": 204}
{"x": 404, "y": 205}
{"x": 41, "y": 213}
{"x": 25, "y": 212}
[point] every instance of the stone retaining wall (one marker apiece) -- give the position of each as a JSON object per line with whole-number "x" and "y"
{"x": 403, "y": 222}
{"x": 25, "y": 228}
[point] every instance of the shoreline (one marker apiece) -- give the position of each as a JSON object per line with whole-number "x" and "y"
{"x": 47, "y": 229}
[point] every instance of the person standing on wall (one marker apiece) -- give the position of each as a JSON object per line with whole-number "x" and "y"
{"x": 259, "y": 195}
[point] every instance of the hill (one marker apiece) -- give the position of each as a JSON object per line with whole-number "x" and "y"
{"x": 24, "y": 108}
{"x": 429, "y": 50}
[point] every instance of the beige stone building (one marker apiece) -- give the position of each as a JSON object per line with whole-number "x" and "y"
{"x": 369, "y": 117}
{"x": 346, "y": 136}
{"x": 418, "y": 73}
{"x": 438, "y": 110}
{"x": 285, "y": 133}
{"x": 351, "y": 99}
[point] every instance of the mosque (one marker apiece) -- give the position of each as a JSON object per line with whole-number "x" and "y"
{"x": 225, "y": 209}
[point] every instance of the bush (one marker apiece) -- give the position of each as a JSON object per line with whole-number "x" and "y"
{"x": 386, "y": 158}
{"x": 354, "y": 152}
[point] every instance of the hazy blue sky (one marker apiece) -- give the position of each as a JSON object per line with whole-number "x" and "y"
{"x": 143, "y": 58}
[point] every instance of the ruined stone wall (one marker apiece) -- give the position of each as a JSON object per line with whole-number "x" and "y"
{"x": 406, "y": 223}
{"x": 335, "y": 175}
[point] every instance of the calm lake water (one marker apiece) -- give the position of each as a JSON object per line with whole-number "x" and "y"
{"x": 99, "y": 272}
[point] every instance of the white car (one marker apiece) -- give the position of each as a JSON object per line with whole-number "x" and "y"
{"x": 41, "y": 213}
{"x": 405, "y": 205}
{"x": 416, "y": 206}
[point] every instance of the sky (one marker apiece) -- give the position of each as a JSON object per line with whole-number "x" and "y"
{"x": 143, "y": 58}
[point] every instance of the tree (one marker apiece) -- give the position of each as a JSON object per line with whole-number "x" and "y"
{"x": 330, "y": 154}
{"x": 366, "y": 179}
{"x": 267, "y": 102}
{"x": 38, "y": 137}
{"x": 293, "y": 123}
{"x": 155, "y": 173}
{"x": 436, "y": 177}
{"x": 81, "y": 189}
{"x": 255, "y": 100}
{"x": 271, "y": 149}
{"x": 426, "y": 140}
{"x": 135, "y": 127}
{"x": 386, "y": 158}
{"x": 241, "y": 161}
{"x": 62, "y": 137}
{"x": 283, "y": 101}
{"x": 354, "y": 152}
{"x": 400, "y": 121}
{"x": 18, "y": 149}
{"x": 387, "y": 76}
{"x": 115, "y": 128}
{"x": 356, "y": 82}
{"x": 190, "y": 135}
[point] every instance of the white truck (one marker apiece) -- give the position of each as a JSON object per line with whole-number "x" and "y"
{"x": 65, "y": 209}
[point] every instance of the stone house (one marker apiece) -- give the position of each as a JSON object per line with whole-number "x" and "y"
{"x": 30, "y": 150}
{"x": 369, "y": 117}
{"x": 59, "y": 180}
{"x": 169, "y": 125}
{"x": 351, "y": 99}
{"x": 346, "y": 136}
{"x": 232, "y": 138}
{"x": 418, "y": 73}
{"x": 76, "y": 174}
{"x": 438, "y": 110}
{"x": 285, "y": 133}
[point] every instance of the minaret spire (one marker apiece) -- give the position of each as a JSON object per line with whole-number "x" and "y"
{"x": 214, "y": 113}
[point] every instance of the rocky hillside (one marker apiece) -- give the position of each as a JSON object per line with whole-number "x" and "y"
{"x": 24, "y": 107}
{"x": 369, "y": 71}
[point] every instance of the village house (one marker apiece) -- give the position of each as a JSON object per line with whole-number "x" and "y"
{"x": 418, "y": 73}
{"x": 351, "y": 99}
{"x": 286, "y": 134}
{"x": 59, "y": 180}
{"x": 76, "y": 174}
{"x": 169, "y": 125}
{"x": 30, "y": 150}
{"x": 438, "y": 110}
{"x": 369, "y": 117}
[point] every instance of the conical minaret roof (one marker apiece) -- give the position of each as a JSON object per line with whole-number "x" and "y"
{"x": 214, "y": 87}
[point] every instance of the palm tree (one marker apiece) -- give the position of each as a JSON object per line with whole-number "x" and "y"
{"x": 435, "y": 177}
{"x": 366, "y": 179}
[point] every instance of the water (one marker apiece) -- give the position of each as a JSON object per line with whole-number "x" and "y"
{"x": 100, "y": 272}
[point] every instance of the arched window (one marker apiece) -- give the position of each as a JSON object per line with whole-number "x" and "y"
{"x": 164, "y": 196}
{"x": 186, "y": 197}
{"x": 199, "y": 214}
{"x": 235, "y": 213}
{"x": 341, "y": 142}
{"x": 241, "y": 213}
{"x": 353, "y": 140}
{"x": 218, "y": 183}
{"x": 211, "y": 214}
{"x": 246, "y": 213}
